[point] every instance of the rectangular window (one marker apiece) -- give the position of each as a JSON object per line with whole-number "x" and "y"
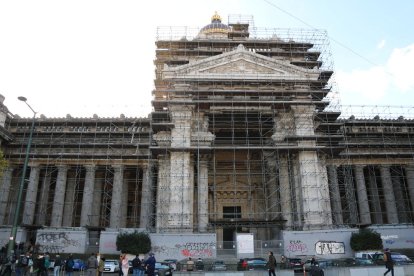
{"x": 232, "y": 212}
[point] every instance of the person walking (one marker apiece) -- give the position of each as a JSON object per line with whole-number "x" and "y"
{"x": 150, "y": 264}
{"x": 271, "y": 264}
{"x": 137, "y": 267}
{"x": 389, "y": 263}
{"x": 101, "y": 265}
{"x": 57, "y": 266}
{"x": 69, "y": 265}
{"x": 124, "y": 265}
{"x": 190, "y": 264}
{"x": 92, "y": 265}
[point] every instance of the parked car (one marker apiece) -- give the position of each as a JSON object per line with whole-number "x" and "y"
{"x": 78, "y": 264}
{"x": 257, "y": 264}
{"x": 172, "y": 263}
{"x": 163, "y": 269}
{"x": 218, "y": 265}
{"x": 320, "y": 263}
{"x": 398, "y": 258}
{"x": 362, "y": 262}
{"x": 295, "y": 263}
{"x": 251, "y": 264}
{"x": 111, "y": 266}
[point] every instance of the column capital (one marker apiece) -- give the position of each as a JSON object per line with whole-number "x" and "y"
{"x": 90, "y": 167}
{"x": 409, "y": 167}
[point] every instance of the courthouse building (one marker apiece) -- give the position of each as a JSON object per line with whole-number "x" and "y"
{"x": 246, "y": 136}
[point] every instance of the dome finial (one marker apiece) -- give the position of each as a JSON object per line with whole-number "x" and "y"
{"x": 216, "y": 17}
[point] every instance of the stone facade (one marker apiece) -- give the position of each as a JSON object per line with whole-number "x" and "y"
{"x": 240, "y": 141}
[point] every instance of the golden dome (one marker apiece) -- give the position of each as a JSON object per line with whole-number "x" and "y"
{"x": 216, "y": 17}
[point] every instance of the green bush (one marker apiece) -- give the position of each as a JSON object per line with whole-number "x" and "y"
{"x": 133, "y": 243}
{"x": 366, "y": 239}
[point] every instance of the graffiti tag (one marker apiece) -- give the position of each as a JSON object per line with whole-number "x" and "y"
{"x": 329, "y": 247}
{"x": 297, "y": 246}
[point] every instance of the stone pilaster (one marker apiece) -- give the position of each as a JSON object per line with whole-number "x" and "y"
{"x": 335, "y": 195}
{"x": 350, "y": 194}
{"x": 147, "y": 194}
{"x": 180, "y": 211}
{"x": 87, "y": 199}
{"x": 31, "y": 194}
{"x": 4, "y": 192}
{"x": 69, "y": 201}
{"x": 284, "y": 125}
{"x": 163, "y": 192}
{"x": 59, "y": 197}
{"x": 391, "y": 207}
{"x": 409, "y": 172}
{"x": 116, "y": 203}
{"x": 203, "y": 194}
{"x": 363, "y": 204}
{"x": 285, "y": 191}
{"x": 271, "y": 196}
{"x": 44, "y": 199}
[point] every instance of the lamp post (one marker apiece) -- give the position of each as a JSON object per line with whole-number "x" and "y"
{"x": 13, "y": 233}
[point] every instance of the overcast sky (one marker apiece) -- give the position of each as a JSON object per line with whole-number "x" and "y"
{"x": 85, "y": 57}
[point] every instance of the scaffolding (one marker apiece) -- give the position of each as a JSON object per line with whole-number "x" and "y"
{"x": 247, "y": 134}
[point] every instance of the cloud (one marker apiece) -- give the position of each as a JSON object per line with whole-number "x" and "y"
{"x": 381, "y": 44}
{"x": 376, "y": 82}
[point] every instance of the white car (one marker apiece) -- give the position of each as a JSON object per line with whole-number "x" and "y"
{"x": 111, "y": 266}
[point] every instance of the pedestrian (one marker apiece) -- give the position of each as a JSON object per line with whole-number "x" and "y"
{"x": 283, "y": 262}
{"x": 92, "y": 265}
{"x": 57, "y": 266}
{"x": 69, "y": 265}
{"x": 190, "y": 264}
{"x": 199, "y": 264}
{"x": 101, "y": 265}
{"x": 120, "y": 266}
{"x": 389, "y": 263}
{"x": 137, "y": 267}
{"x": 125, "y": 265}
{"x": 271, "y": 264}
{"x": 150, "y": 264}
{"x": 40, "y": 265}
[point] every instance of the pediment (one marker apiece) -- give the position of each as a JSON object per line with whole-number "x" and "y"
{"x": 240, "y": 64}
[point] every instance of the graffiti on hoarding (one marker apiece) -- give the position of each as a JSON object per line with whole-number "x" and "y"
{"x": 297, "y": 246}
{"x": 196, "y": 249}
{"x": 51, "y": 248}
{"x": 329, "y": 247}
{"x": 56, "y": 238}
{"x": 187, "y": 249}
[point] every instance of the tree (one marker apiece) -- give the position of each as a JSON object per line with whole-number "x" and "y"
{"x": 366, "y": 239}
{"x": 133, "y": 243}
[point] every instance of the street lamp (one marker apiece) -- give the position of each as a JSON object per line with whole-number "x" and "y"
{"x": 13, "y": 233}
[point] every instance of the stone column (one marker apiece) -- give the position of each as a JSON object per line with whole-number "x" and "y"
{"x": 144, "y": 221}
{"x": 69, "y": 201}
{"x": 180, "y": 211}
{"x": 87, "y": 199}
{"x": 272, "y": 200}
{"x": 4, "y": 193}
{"x": 202, "y": 194}
{"x": 44, "y": 199}
{"x": 350, "y": 194}
{"x": 313, "y": 181}
{"x": 285, "y": 191}
{"x": 409, "y": 173}
{"x": 116, "y": 203}
{"x": 335, "y": 195}
{"x": 376, "y": 204}
{"x": 392, "y": 215}
{"x": 97, "y": 198}
{"x": 400, "y": 201}
{"x": 163, "y": 192}
{"x": 59, "y": 198}
{"x": 124, "y": 204}
{"x": 363, "y": 204}
{"x": 31, "y": 194}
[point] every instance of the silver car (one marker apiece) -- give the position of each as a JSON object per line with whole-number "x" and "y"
{"x": 111, "y": 266}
